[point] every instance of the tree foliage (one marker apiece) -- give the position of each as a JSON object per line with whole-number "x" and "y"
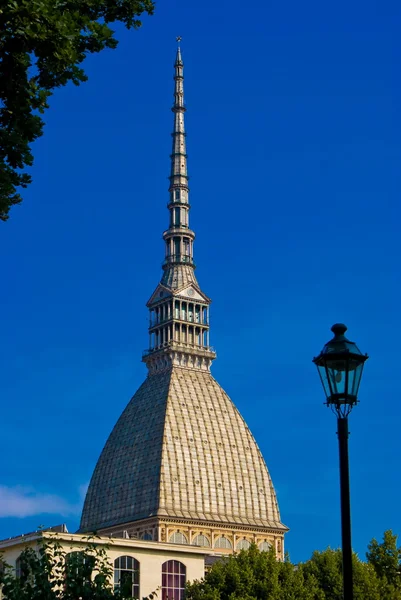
{"x": 385, "y": 559}
{"x": 42, "y": 45}
{"x": 255, "y": 575}
{"x": 326, "y": 568}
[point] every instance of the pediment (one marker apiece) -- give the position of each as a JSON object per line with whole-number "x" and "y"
{"x": 160, "y": 292}
{"x": 192, "y": 293}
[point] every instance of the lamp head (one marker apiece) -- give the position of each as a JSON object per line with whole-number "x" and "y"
{"x": 340, "y": 366}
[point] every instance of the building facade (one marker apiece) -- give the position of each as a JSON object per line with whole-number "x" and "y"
{"x": 181, "y": 465}
{"x": 149, "y": 566}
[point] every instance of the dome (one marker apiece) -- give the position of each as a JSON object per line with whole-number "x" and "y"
{"x": 182, "y": 450}
{"x": 181, "y": 465}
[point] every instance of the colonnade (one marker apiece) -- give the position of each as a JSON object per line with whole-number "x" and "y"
{"x": 178, "y": 247}
{"x": 179, "y": 321}
{"x": 182, "y": 310}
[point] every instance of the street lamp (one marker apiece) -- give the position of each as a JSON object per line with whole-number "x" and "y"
{"x": 340, "y": 366}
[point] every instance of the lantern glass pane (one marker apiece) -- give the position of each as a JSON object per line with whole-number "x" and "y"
{"x": 324, "y": 378}
{"x": 355, "y": 379}
{"x": 338, "y": 378}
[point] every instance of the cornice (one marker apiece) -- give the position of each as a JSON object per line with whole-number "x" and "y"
{"x": 226, "y": 526}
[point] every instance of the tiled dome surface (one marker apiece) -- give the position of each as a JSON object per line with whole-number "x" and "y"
{"x": 180, "y": 449}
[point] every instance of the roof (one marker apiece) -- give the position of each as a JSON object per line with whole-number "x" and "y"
{"x": 115, "y": 542}
{"x": 181, "y": 449}
{"x": 55, "y": 528}
{"x": 179, "y": 276}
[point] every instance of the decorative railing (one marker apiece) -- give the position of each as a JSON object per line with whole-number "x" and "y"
{"x": 179, "y": 258}
{"x": 179, "y": 346}
{"x": 175, "y": 317}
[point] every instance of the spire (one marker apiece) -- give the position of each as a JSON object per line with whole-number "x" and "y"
{"x": 179, "y": 310}
{"x": 179, "y": 238}
{"x": 178, "y": 58}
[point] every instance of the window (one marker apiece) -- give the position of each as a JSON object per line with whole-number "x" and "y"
{"x": 76, "y": 562}
{"x": 201, "y": 540}
{"x": 176, "y": 194}
{"x": 126, "y": 576}
{"x": 18, "y": 571}
{"x": 223, "y": 543}
{"x": 243, "y": 545}
{"x": 173, "y": 580}
{"x": 184, "y": 311}
{"x": 186, "y": 246}
{"x": 78, "y": 570}
{"x": 147, "y": 536}
{"x": 177, "y": 219}
{"x": 178, "y": 538}
{"x": 264, "y": 546}
{"x": 22, "y": 568}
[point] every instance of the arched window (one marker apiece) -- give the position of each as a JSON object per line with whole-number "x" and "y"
{"x": 201, "y": 540}
{"x": 126, "y": 576}
{"x": 223, "y": 543}
{"x": 243, "y": 545}
{"x": 178, "y": 538}
{"x": 174, "y": 576}
{"x": 147, "y": 536}
{"x": 18, "y": 568}
{"x": 22, "y": 568}
{"x": 264, "y": 546}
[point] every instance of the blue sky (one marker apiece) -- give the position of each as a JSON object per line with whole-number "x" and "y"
{"x": 294, "y": 155}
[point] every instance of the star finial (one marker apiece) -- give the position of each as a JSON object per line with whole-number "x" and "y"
{"x": 178, "y": 38}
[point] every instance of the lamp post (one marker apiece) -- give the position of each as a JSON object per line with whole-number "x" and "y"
{"x": 340, "y": 366}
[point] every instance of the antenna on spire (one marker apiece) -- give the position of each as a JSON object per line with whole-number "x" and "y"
{"x": 178, "y": 57}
